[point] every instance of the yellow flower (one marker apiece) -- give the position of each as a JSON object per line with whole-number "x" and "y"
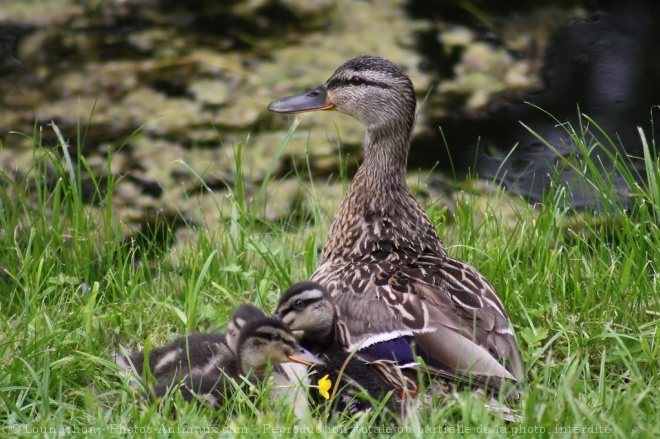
{"x": 324, "y": 386}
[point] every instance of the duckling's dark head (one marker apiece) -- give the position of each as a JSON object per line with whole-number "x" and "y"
{"x": 307, "y": 309}
{"x": 242, "y": 315}
{"x": 268, "y": 340}
{"x": 369, "y": 88}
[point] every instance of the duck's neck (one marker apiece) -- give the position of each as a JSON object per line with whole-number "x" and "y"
{"x": 379, "y": 206}
{"x": 385, "y": 157}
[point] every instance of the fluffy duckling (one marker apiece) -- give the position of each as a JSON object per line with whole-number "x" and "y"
{"x": 205, "y": 364}
{"x": 196, "y": 353}
{"x": 307, "y": 309}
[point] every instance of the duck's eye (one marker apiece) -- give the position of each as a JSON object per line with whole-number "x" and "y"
{"x": 275, "y": 337}
{"x": 298, "y": 305}
{"x": 357, "y": 80}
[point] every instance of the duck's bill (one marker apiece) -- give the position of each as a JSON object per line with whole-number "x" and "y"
{"x": 314, "y": 100}
{"x": 305, "y": 357}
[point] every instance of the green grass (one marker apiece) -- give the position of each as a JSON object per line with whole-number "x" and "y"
{"x": 581, "y": 291}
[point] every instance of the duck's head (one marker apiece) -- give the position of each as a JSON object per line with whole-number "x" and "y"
{"x": 369, "y": 88}
{"x": 307, "y": 309}
{"x": 243, "y": 314}
{"x": 266, "y": 340}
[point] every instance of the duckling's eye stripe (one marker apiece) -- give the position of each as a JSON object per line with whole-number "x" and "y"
{"x": 263, "y": 335}
{"x": 342, "y": 82}
{"x": 307, "y": 302}
{"x": 268, "y": 336}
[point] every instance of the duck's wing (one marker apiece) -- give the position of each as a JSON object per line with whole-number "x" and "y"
{"x": 463, "y": 301}
{"x": 444, "y": 307}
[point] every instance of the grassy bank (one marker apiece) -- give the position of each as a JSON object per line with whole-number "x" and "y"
{"x": 581, "y": 291}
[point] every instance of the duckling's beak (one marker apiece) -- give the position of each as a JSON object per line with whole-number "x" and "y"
{"x": 314, "y": 100}
{"x": 305, "y": 357}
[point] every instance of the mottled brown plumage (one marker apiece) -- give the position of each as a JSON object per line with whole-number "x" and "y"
{"x": 383, "y": 262}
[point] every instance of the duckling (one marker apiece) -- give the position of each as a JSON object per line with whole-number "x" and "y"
{"x": 387, "y": 271}
{"x": 196, "y": 353}
{"x": 206, "y": 363}
{"x": 308, "y": 310}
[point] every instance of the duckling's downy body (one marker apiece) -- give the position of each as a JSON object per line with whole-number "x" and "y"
{"x": 198, "y": 353}
{"x": 397, "y": 292}
{"x": 204, "y": 363}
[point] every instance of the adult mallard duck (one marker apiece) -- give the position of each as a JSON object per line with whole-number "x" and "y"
{"x": 204, "y": 363}
{"x": 397, "y": 292}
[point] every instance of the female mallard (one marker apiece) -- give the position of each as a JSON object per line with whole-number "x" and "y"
{"x": 204, "y": 363}
{"x": 397, "y": 291}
